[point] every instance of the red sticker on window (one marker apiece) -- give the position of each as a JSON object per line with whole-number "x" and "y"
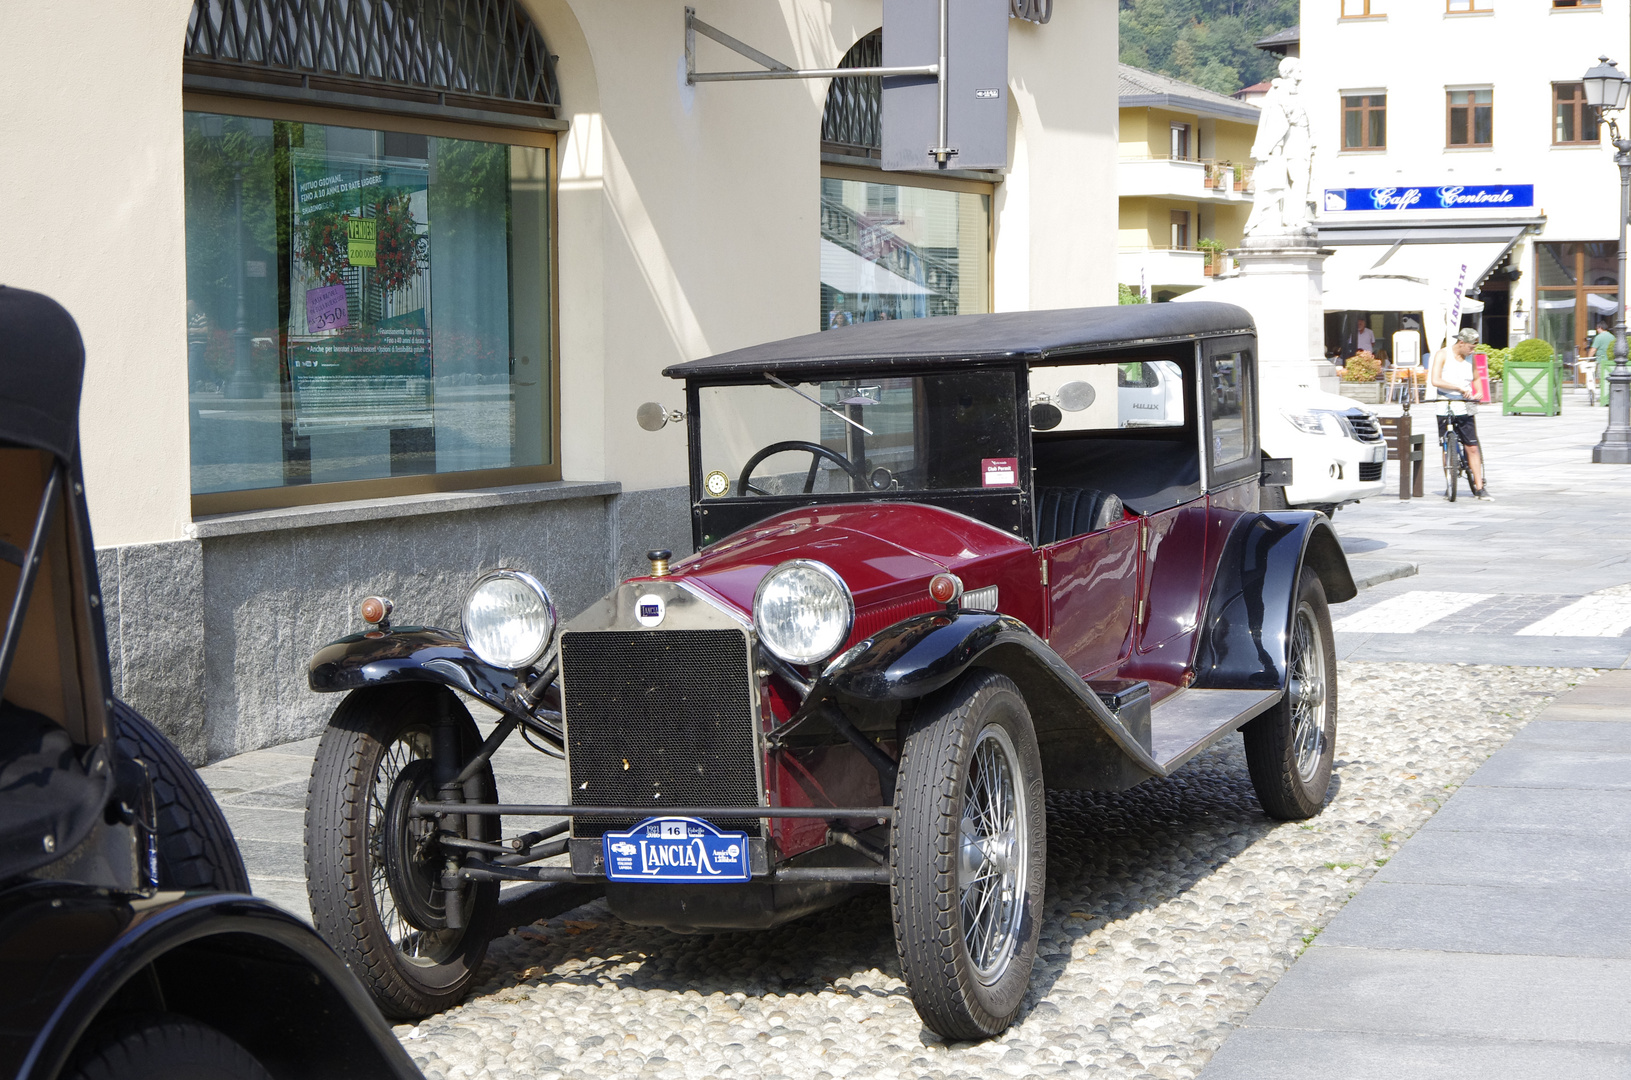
{"x": 999, "y": 472}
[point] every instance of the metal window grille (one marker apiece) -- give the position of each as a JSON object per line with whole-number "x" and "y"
{"x": 472, "y": 52}
{"x": 849, "y": 122}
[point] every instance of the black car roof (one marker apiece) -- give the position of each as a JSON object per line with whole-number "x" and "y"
{"x": 42, "y": 361}
{"x": 1030, "y": 335}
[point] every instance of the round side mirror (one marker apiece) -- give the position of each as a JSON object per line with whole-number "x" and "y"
{"x": 1076, "y": 396}
{"x": 1045, "y": 417}
{"x": 652, "y": 416}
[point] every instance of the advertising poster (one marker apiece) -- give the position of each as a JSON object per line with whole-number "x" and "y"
{"x": 359, "y": 346}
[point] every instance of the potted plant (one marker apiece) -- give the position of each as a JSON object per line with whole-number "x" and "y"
{"x": 1214, "y": 253}
{"x": 1529, "y": 378}
{"x": 1240, "y": 178}
{"x": 1361, "y": 378}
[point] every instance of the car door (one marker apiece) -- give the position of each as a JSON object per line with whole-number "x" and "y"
{"x": 1093, "y": 590}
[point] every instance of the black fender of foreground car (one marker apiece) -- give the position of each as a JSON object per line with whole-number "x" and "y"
{"x": 73, "y": 957}
{"x": 409, "y": 654}
{"x": 1245, "y": 636}
{"x": 1084, "y": 744}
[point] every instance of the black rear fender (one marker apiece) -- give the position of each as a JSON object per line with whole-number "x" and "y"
{"x": 409, "y": 654}
{"x": 1083, "y": 744}
{"x": 1244, "y": 637}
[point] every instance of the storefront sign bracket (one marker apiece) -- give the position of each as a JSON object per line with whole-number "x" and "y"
{"x": 775, "y": 69}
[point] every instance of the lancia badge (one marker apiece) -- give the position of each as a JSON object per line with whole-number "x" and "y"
{"x": 649, "y": 610}
{"x": 716, "y": 483}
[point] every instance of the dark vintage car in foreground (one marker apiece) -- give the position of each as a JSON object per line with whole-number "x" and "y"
{"x": 129, "y": 948}
{"x": 941, "y": 566}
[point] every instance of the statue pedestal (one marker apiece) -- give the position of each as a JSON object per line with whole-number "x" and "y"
{"x": 1280, "y": 281}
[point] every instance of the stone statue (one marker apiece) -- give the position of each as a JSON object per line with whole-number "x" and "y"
{"x": 1283, "y": 154}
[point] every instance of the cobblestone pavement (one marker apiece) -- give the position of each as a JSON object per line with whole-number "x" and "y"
{"x": 1171, "y": 910}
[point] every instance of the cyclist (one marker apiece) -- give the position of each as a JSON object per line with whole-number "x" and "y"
{"x": 1450, "y": 381}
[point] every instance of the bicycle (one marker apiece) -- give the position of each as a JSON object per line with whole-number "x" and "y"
{"x": 1454, "y": 450}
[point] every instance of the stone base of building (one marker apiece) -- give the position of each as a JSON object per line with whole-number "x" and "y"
{"x": 209, "y": 637}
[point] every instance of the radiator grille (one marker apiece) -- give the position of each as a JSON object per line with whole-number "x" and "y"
{"x": 1370, "y": 470}
{"x": 1366, "y": 429}
{"x": 657, "y": 719}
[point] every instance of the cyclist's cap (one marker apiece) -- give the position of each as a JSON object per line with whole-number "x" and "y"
{"x": 1467, "y": 336}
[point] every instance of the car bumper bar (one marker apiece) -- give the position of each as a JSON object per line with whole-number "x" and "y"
{"x": 423, "y": 808}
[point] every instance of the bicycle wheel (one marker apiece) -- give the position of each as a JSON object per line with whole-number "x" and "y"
{"x": 1453, "y": 455}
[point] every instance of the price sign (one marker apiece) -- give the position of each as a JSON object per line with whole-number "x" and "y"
{"x": 326, "y": 309}
{"x": 360, "y": 234}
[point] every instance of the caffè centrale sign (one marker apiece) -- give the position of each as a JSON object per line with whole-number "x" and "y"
{"x": 1449, "y": 197}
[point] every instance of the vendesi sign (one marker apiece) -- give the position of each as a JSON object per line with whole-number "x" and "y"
{"x": 1449, "y": 197}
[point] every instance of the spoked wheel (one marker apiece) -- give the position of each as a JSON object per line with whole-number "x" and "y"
{"x": 1289, "y": 749}
{"x": 374, "y": 871}
{"x": 1452, "y": 466}
{"x": 969, "y": 857}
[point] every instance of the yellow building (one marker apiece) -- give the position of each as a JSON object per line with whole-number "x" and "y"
{"x": 1183, "y": 179}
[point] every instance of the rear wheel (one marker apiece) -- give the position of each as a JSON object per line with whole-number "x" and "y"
{"x": 1452, "y": 463}
{"x": 969, "y": 857}
{"x": 164, "y": 1047}
{"x": 1289, "y": 749}
{"x": 195, "y": 845}
{"x": 373, "y": 871}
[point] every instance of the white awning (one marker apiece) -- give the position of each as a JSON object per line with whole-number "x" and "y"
{"x": 1407, "y": 277}
{"x": 847, "y": 272}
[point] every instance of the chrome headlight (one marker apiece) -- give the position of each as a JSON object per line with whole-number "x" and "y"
{"x": 508, "y": 619}
{"x": 1319, "y": 422}
{"x": 803, "y": 611}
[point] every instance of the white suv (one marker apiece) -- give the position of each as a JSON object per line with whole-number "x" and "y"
{"x": 1335, "y": 446}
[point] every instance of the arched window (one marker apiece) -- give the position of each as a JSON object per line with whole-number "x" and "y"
{"x": 369, "y": 200}
{"x": 462, "y": 54}
{"x": 894, "y": 245}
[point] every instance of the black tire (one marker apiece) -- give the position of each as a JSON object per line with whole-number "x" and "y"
{"x": 1289, "y": 749}
{"x": 196, "y": 848}
{"x": 377, "y": 743}
{"x": 968, "y": 982}
{"x": 163, "y": 1047}
{"x": 1452, "y": 464}
{"x": 1272, "y": 497}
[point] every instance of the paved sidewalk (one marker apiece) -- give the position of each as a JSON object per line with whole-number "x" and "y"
{"x": 1496, "y": 943}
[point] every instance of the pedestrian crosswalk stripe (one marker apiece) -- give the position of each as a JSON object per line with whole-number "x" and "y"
{"x": 1407, "y": 612}
{"x": 1600, "y": 614}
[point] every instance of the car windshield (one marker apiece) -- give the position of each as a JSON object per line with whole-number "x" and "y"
{"x": 931, "y": 432}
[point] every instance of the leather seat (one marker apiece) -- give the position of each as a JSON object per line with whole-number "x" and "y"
{"x": 1063, "y": 512}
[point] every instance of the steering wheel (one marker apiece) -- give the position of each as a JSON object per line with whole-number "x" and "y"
{"x": 816, "y": 452}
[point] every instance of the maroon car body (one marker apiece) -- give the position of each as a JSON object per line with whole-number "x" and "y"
{"x": 997, "y": 562}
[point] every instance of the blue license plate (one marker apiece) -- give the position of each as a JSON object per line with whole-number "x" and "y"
{"x": 675, "y": 849}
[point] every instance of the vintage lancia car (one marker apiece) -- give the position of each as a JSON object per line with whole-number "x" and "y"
{"x": 941, "y": 566}
{"x": 129, "y": 945}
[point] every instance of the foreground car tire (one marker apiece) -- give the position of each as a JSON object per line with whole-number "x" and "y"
{"x": 195, "y": 845}
{"x": 164, "y": 1047}
{"x": 969, "y": 854}
{"x": 1289, "y": 749}
{"x": 373, "y": 878}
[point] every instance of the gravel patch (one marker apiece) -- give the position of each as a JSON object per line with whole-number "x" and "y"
{"x": 1171, "y": 910}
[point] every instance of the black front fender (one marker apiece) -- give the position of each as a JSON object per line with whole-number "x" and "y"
{"x": 238, "y": 964}
{"x": 1244, "y": 639}
{"x": 1084, "y": 744}
{"x": 409, "y": 654}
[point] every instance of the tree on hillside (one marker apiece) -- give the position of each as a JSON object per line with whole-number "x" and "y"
{"x": 1205, "y": 42}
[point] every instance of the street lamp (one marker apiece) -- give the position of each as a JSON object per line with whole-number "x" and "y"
{"x": 1607, "y": 90}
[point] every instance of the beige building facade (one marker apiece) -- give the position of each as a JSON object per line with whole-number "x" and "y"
{"x": 371, "y": 326}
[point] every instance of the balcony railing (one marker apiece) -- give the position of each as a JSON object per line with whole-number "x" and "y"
{"x": 1218, "y": 174}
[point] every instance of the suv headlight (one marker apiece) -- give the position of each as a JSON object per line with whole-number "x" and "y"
{"x": 1319, "y": 422}
{"x": 803, "y": 611}
{"x": 508, "y": 619}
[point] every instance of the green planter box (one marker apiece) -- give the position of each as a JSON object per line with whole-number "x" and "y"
{"x": 1531, "y": 389}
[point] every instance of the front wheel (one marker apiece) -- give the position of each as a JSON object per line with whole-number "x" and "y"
{"x": 374, "y": 871}
{"x": 1289, "y": 749}
{"x": 969, "y": 857}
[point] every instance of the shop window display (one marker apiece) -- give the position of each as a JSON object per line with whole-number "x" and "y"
{"x": 364, "y": 305}
{"x": 1576, "y": 284}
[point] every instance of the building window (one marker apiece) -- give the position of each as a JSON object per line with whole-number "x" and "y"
{"x": 1364, "y": 122}
{"x": 1179, "y": 225}
{"x": 1574, "y": 123}
{"x": 364, "y": 304}
{"x": 1576, "y": 285}
{"x": 1577, "y": 3}
{"x": 902, "y": 251}
{"x": 1180, "y": 143}
{"x": 1466, "y": 7}
{"x": 1361, "y": 9}
{"x": 1471, "y": 119}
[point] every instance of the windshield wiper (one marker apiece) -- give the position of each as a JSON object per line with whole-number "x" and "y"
{"x": 821, "y": 404}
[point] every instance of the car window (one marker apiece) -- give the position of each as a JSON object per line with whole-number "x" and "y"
{"x": 1226, "y": 391}
{"x": 1108, "y": 396}
{"x": 950, "y": 431}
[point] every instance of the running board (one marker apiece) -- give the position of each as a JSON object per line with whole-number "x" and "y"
{"x": 1191, "y": 720}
